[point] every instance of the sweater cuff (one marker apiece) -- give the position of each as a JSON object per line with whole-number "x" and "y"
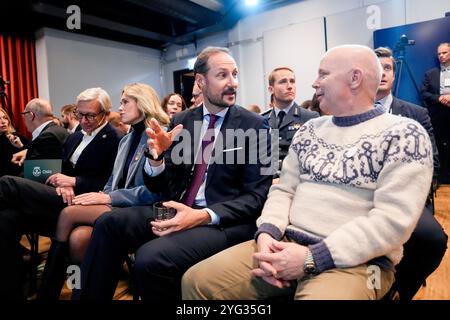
{"x": 270, "y": 229}
{"x": 322, "y": 256}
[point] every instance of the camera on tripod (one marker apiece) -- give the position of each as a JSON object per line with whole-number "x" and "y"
{"x": 403, "y": 42}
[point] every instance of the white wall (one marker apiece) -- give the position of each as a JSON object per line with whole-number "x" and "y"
{"x": 68, "y": 63}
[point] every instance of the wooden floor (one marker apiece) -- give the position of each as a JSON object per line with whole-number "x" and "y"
{"x": 437, "y": 286}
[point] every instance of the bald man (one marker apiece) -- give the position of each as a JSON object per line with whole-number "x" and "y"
{"x": 351, "y": 190}
{"x": 47, "y": 137}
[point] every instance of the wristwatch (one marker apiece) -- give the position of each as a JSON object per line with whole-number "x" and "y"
{"x": 309, "y": 267}
{"x": 150, "y": 156}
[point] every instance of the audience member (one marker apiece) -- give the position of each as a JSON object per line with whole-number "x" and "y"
{"x": 425, "y": 249}
{"x": 285, "y": 115}
{"x": 436, "y": 95}
{"x": 68, "y": 118}
{"x": 47, "y": 137}
{"x": 197, "y": 96}
{"x": 10, "y": 143}
{"x": 173, "y": 103}
{"x": 374, "y": 170}
{"x": 214, "y": 211}
{"x": 254, "y": 108}
{"x": 28, "y": 206}
{"x": 138, "y": 105}
{"x": 115, "y": 120}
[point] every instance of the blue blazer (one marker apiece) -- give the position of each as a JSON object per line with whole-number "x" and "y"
{"x": 95, "y": 163}
{"x": 134, "y": 192}
{"x": 420, "y": 114}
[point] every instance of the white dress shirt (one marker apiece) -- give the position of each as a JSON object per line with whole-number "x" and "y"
{"x": 87, "y": 138}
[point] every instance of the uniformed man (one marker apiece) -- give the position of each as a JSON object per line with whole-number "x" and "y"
{"x": 286, "y": 115}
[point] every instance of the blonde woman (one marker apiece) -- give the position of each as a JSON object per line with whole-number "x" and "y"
{"x": 138, "y": 105}
{"x": 10, "y": 143}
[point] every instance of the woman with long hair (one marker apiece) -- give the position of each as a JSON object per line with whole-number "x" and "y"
{"x": 138, "y": 105}
{"x": 10, "y": 143}
{"x": 173, "y": 103}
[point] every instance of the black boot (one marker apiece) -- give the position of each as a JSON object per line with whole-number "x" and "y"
{"x": 54, "y": 272}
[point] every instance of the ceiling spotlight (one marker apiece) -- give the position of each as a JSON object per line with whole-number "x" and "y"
{"x": 251, "y": 2}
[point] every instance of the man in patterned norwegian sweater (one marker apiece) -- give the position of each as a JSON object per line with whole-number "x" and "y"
{"x": 351, "y": 191}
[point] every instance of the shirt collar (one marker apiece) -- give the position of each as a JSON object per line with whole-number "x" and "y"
{"x": 39, "y": 129}
{"x": 386, "y": 102}
{"x": 286, "y": 110}
{"x": 94, "y": 133}
{"x": 220, "y": 114}
{"x": 444, "y": 69}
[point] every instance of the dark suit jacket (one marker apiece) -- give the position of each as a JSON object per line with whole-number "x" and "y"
{"x": 48, "y": 145}
{"x": 94, "y": 166}
{"x": 6, "y": 152}
{"x": 420, "y": 114}
{"x": 236, "y": 192}
{"x": 292, "y": 121}
{"x": 431, "y": 89}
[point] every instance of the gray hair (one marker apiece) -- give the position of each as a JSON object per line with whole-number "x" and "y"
{"x": 96, "y": 94}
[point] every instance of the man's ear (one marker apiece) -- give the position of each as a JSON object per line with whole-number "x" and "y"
{"x": 356, "y": 77}
{"x": 270, "y": 88}
{"x": 200, "y": 79}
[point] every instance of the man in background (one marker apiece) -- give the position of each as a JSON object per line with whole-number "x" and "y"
{"x": 436, "y": 95}
{"x": 285, "y": 115}
{"x": 47, "y": 137}
{"x": 197, "y": 96}
{"x": 68, "y": 118}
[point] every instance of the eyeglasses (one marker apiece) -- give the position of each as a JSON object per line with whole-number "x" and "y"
{"x": 88, "y": 116}
{"x": 25, "y": 112}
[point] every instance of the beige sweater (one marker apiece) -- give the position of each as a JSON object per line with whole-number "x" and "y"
{"x": 351, "y": 188}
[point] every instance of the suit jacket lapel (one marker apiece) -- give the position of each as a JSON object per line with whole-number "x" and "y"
{"x": 78, "y": 137}
{"x": 272, "y": 119}
{"x": 120, "y": 159}
{"x": 232, "y": 120}
{"x": 193, "y": 125}
{"x": 138, "y": 154}
{"x": 395, "y": 106}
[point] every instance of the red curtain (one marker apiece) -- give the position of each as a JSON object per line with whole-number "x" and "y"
{"x": 18, "y": 65}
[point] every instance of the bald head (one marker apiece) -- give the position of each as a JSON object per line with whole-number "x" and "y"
{"x": 362, "y": 58}
{"x": 40, "y": 107}
{"x": 348, "y": 80}
{"x": 37, "y": 111}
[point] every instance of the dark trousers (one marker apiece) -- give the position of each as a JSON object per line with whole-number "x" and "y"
{"x": 422, "y": 254}
{"x": 25, "y": 206}
{"x": 160, "y": 261}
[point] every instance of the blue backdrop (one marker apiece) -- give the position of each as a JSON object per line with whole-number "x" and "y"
{"x": 419, "y": 57}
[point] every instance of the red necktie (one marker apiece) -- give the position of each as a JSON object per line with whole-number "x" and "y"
{"x": 201, "y": 166}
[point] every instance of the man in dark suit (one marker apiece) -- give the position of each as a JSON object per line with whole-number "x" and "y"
{"x": 47, "y": 137}
{"x": 436, "y": 95}
{"x": 216, "y": 208}
{"x": 27, "y": 206}
{"x": 425, "y": 249}
{"x": 285, "y": 115}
